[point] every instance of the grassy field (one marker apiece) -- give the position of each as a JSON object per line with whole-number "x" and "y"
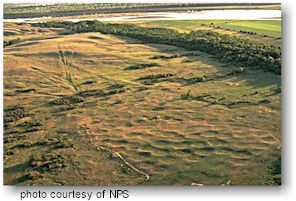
{"x": 270, "y": 28}
{"x": 261, "y": 31}
{"x": 96, "y": 109}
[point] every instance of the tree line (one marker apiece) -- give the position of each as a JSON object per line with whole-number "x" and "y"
{"x": 226, "y": 48}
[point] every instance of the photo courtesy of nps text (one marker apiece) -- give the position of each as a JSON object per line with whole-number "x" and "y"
{"x": 85, "y": 195}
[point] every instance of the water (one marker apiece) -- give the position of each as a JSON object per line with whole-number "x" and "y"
{"x": 255, "y": 14}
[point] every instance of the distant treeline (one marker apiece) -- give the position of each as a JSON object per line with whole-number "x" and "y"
{"x": 224, "y": 47}
{"x": 12, "y": 11}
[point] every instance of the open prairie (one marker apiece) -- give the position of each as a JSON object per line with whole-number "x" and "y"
{"x": 102, "y": 109}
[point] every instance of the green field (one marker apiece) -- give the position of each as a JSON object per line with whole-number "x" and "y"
{"x": 270, "y": 28}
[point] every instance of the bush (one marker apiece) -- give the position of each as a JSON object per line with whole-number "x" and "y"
{"x": 116, "y": 86}
{"x": 48, "y": 162}
{"x": 32, "y": 175}
{"x": 155, "y": 77}
{"x": 187, "y": 96}
{"x": 12, "y": 42}
{"x": 64, "y": 144}
{"x": 275, "y": 170}
{"x": 25, "y": 144}
{"x": 12, "y": 152}
{"x": 30, "y": 126}
{"x": 166, "y": 57}
{"x": 197, "y": 79}
{"x": 237, "y": 70}
{"x": 99, "y": 92}
{"x": 14, "y": 113}
{"x": 67, "y": 100}
{"x": 141, "y": 66}
{"x": 151, "y": 79}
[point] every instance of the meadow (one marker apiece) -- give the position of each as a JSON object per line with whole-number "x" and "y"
{"x": 91, "y": 107}
{"x": 271, "y": 28}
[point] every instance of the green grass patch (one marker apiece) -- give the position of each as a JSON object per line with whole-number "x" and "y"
{"x": 270, "y": 28}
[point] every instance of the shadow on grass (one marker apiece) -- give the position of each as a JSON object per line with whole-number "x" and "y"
{"x": 252, "y": 77}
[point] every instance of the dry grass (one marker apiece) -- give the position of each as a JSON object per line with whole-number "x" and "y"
{"x": 174, "y": 140}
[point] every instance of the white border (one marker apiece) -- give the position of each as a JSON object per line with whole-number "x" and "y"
{"x": 288, "y": 189}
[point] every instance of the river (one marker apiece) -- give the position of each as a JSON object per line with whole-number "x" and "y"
{"x": 237, "y": 14}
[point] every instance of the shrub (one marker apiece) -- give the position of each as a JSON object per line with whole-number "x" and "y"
{"x": 237, "y": 70}
{"x": 151, "y": 79}
{"x": 155, "y": 77}
{"x": 141, "y": 66}
{"x": 166, "y": 57}
{"x": 12, "y": 42}
{"x": 14, "y": 113}
{"x": 197, "y": 79}
{"x": 25, "y": 144}
{"x": 48, "y": 162}
{"x": 64, "y": 144}
{"x": 24, "y": 90}
{"x": 116, "y": 86}
{"x": 12, "y": 152}
{"x": 67, "y": 100}
{"x": 99, "y": 92}
{"x": 30, "y": 126}
{"x": 32, "y": 175}
{"x": 187, "y": 96}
